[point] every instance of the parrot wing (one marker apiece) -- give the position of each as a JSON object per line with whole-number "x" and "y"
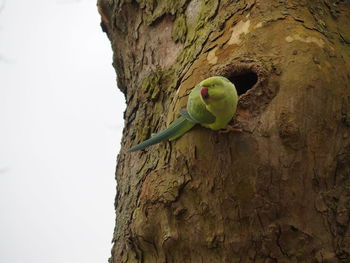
{"x": 209, "y": 118}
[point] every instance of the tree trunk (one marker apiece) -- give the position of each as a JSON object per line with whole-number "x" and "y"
{"x": 279, "y": 191}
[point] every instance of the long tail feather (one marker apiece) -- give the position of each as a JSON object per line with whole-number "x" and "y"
{"x": 176, "y": 129}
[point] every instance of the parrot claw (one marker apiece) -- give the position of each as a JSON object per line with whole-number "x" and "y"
{"x": 231, "y": 128}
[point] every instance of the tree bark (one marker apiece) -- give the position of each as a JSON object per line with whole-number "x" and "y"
{"x": 279, "y": 191}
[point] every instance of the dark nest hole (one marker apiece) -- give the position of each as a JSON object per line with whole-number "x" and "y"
{"x": 244, "y": 81}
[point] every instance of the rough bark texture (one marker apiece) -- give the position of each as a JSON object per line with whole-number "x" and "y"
{"x": 277, "y": 192}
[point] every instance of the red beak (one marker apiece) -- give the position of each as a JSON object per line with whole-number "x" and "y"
{"x": 204, "y": 92}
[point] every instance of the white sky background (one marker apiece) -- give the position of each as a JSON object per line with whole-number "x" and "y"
{"x": 60, "y": 128}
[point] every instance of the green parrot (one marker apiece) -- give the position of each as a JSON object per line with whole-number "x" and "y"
{"x": 212, "y": 104}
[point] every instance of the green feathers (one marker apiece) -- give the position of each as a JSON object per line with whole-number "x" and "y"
{"x": 176, "y": 129}
{"x": 212, "y": 104}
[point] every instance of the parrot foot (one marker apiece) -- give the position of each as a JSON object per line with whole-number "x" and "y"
{"x": 231, "y": 128}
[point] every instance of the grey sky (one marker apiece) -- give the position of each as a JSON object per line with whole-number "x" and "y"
{"x": 61, "y": 121}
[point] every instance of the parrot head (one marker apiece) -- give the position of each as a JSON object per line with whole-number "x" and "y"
{"x": 212, "y": 93}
